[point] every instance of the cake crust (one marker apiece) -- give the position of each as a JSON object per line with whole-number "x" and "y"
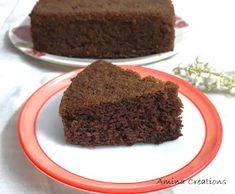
{"x": 106, "y": 105}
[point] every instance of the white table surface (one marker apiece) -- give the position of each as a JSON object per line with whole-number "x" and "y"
{"x": 211, "y": 36}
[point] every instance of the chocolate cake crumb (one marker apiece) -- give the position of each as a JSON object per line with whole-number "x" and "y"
{"x": 107, "y": 105}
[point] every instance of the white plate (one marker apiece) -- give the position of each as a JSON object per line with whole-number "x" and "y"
{"x": 122, "y": 169}
{"x": 20, "y": 37}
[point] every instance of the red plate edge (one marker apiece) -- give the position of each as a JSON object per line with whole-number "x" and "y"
{"x": 36, "y": 155}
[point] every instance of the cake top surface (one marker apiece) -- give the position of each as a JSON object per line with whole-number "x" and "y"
{"x": 162, "y": 7}
{"x": 102, "y": 82}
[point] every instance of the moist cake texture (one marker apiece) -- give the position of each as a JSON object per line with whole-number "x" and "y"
{"x": 107, "y": 105}
{"x": 103, "y": 28}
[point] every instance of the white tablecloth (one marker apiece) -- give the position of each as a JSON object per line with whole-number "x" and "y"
{"x": 211, "y": 37}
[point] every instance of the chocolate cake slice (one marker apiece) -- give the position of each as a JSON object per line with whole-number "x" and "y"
{"x": 107, "y": 105}
{"x": 103, "y": 28}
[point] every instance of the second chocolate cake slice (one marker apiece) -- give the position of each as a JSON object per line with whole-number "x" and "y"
{"x": 103, "y": 28}
{"x": 106, "y": 105}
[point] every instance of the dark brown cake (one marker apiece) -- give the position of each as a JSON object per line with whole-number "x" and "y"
{"x": 106, "y": 105}
{"x": 103, "y": 28}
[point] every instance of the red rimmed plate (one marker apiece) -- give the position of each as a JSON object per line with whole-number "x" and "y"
{"x": 133, "y": 169}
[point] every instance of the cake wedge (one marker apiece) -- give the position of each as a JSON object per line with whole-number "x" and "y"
{"x": 107, "y": 105}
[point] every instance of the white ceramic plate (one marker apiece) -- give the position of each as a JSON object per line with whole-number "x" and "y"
{"x": 111, "y": 169}
{"x": 20, "y": 37}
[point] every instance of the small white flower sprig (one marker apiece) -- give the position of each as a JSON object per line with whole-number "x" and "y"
{"x": 207, "y": 78}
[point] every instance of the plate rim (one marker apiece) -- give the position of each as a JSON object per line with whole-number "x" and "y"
{"x": 51, "y": 58}
{"x": 201, "y": 102}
